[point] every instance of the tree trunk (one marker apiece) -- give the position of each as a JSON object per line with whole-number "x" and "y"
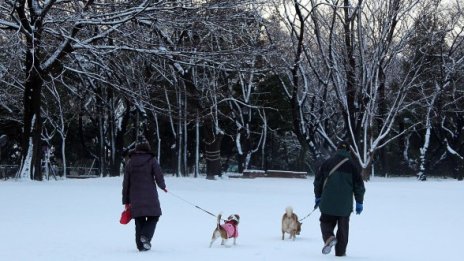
{"x": 366, "y": 172}
{"x": 244, "y": 149}
{"x": 298, "y": 127}
{"x": 32, "y": 130}
{"x": 381, "y": 155}
{"x": 197, "y": 146}
{"x": 119, "y": 144}
{"x": 63, "y": 155}
{"x": 179, "y": 144}
{"x": 350, "y": 65}
{"x": 212, "y": 150}
{"x": 101, "y": 132}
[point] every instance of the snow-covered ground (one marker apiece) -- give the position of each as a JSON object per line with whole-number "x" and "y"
{"x": 79, "y": 220}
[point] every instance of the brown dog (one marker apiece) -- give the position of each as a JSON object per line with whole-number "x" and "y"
{"x": 227, "y": 230}
{"x": 290, "y": 224}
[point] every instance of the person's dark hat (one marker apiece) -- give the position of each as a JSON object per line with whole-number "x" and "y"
{"x": 143, "y": 146}
{"x": 141, "y": 139}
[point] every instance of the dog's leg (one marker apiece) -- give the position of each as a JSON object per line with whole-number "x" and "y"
{"x": 235, "y": 241}
{"x": 212, "y": 241}
{"x": 214, "y": 237}
{"x": 225, "y": 243}
{"x": 283, "y": 235}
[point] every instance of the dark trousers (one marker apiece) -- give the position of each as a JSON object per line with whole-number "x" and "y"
{"x": 144, "y": 226}
{"x": 328, "y": 224}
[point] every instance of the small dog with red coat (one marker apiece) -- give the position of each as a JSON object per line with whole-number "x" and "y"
{"x": 227, "y": 230}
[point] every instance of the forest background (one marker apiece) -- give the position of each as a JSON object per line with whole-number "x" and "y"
{"x": 212, "y": 84}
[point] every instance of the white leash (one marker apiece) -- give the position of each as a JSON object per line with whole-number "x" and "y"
{"x": 308, "y": 215}
{"x": 190, "y": 203}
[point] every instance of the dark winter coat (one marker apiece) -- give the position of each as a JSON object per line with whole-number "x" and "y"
{"x": 141, "y": 176}
{"x": 344, "y": 183}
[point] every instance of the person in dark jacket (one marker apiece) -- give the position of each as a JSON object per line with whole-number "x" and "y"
{"x": 336, "y": 183}
{"x": 142, "y": 174}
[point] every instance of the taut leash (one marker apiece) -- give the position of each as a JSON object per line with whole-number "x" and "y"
{"x": 308, "y": 215}
{"x": 190, "y": 203}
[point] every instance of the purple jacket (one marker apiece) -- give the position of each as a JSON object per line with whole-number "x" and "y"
{"x": 141, "y": 176}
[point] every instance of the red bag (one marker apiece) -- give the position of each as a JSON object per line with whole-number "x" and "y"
{"x": 125, "y": 216}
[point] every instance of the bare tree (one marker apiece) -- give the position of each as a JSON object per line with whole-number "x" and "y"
{"x": 201, "y": 49}
{"x": 49, "y": 31}
{"x": 438, "y": 44}
{"x": 346, "y": 54}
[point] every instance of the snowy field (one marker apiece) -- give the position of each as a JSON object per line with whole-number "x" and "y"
{"x": 79, "y": 220}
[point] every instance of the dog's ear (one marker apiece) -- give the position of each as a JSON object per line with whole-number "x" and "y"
{"x": 234, "y": 217}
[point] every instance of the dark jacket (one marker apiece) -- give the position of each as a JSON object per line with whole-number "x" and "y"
{"x": 344, "y": 183}
{"x": 141, "y": 176}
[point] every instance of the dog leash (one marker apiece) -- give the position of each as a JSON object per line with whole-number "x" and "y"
{"x": 308, "y": 215}
{"x": 190, "y": 203}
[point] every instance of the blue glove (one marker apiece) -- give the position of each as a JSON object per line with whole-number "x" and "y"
{"x": 359, "y": 208}
{"x": 317, "y": 201}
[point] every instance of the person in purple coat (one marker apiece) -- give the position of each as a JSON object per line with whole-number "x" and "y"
{"x": 142, "y": 174}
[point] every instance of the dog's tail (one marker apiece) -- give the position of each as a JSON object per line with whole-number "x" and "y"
{"x": 289, "y": 211}
{"x": 219, "y": 219}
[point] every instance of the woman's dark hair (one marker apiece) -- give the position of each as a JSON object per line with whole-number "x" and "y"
{"x": 143, "y": 146}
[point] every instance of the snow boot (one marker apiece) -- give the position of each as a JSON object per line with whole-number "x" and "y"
{"x": 332, "y": 241}
{"x": 145, "y": 243}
